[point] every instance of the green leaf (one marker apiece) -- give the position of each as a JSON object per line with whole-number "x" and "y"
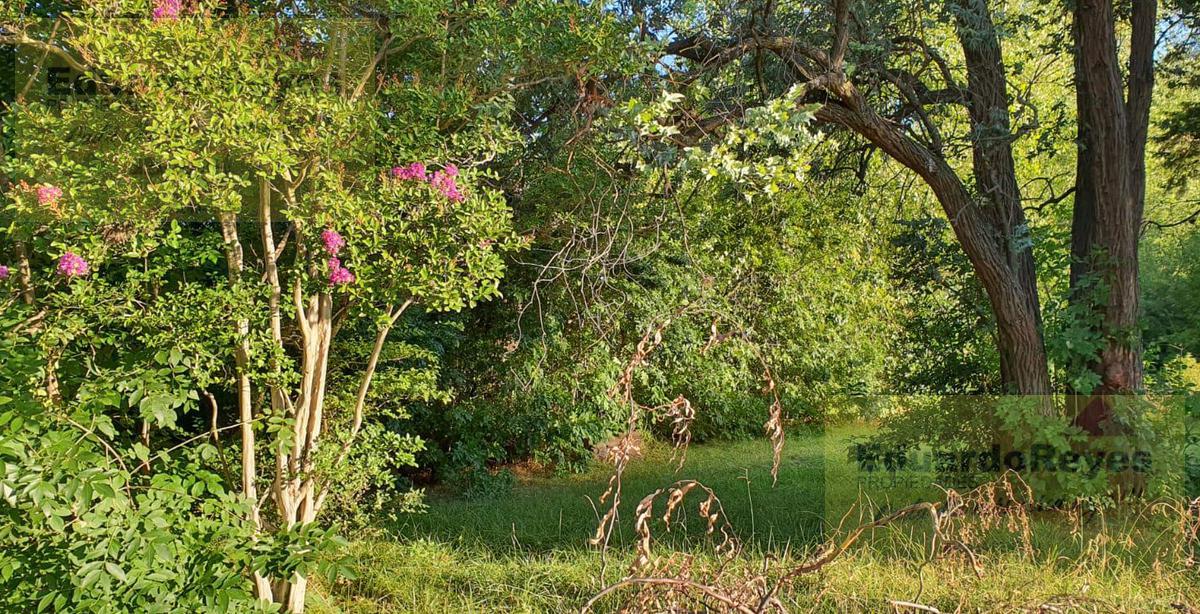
{"x": 115, "y": 571}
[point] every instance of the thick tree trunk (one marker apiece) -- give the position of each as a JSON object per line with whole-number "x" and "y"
{"x": 996, "y": 182}
{"x": 1110, "y": 190}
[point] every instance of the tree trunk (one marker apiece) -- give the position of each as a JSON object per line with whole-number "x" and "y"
{"x": 1110, "y": 191}
{"x": 1012, "y": 292}
{"x": 1023, "y": 366}
{"x": 234, "y": 263}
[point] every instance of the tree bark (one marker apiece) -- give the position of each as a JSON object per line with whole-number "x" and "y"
{"x": 234, "y": 264}
{"x": 996, "y": 181}
{"x": 1113, "y": 122}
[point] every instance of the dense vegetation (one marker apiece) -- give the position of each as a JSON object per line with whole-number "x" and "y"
{"x": 270, "y": 271}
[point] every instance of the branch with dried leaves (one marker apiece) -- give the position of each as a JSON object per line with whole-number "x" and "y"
{"x": 670, "y": 583}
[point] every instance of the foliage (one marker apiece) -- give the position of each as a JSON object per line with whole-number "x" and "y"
{"x": 385, "y": 244}
{"x": 1173, "y": 287}
{"x": 946, "y": 338}
{"x": 798, "y": 273}
{"x": 85, "y": 526}
{"x": 235, "y": 206}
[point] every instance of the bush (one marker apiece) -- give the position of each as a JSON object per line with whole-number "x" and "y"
{"x": 92, "y": 522}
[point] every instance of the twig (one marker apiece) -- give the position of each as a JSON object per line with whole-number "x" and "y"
{"x": 674, "y": 582}
{"x": 913, "y": 606}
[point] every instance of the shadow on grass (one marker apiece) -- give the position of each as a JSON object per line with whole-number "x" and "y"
{"x": 545, "y": 514}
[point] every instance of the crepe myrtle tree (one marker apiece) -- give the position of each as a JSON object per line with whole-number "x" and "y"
{"x": 253, "y": 159}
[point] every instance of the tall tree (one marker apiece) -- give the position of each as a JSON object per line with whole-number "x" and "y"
{"x": 986, "y": 213}
{"x": 1113, "y": 124}
{"x": 902, "y": 87}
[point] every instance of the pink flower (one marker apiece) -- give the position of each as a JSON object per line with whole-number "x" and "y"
{"x": 333, "y": 241}
{"x": 48, "y": 194}
{"x": 444, "y": 182}
{"x": 72, "y": 265}
{"x": 166, "y": 9}
{"x": 3, "y": 272}
{"x": 339, "y": 274}
{"x": 414, "y": 171}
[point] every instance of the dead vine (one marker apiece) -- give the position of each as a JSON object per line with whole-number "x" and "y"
{"x": 679, "y": 412}
{"x": 669, "y": 583}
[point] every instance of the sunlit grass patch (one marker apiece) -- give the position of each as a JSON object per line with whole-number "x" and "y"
{"x": 527, "y": 552}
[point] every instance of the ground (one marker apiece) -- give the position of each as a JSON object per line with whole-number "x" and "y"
{"x": 527, "y": 551}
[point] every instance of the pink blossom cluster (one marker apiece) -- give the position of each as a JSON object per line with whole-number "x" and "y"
{"x": 166, "y": 9}
{"x": 333, "y": 241}
{"x": 3, "y": 272}
{"x": 338, "y": 274}
{"x": 48, "y": 194}
{"x": 71, "y": 264}
{"x": 444, "y": 181}
{"x": 412, "y": 172}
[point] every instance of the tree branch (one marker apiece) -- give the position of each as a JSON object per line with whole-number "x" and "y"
{"x": 363, "y": 387}
{"x": 841, "y": 34}
{"x": 1193, "y": 218}
{"x": 18, "y": 37}
{"x": 1054, "y": 200}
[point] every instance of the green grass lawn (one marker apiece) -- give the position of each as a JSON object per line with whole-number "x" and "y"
{"x": 527, "y": 551}
{"x": 546, "y": 513}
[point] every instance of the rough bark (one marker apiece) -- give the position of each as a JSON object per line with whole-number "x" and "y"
{"x": 996, "y": 181}
{"x": 1113, "y": 121}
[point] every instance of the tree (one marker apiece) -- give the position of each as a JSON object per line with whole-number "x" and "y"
{"x": 891, "y": 76}
{"x": 308, "y": 177}
{"x": 1110, "y": 187}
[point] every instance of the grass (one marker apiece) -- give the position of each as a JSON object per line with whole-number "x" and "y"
{"x": 527, "y": 551}
{"x": 545, "y": 513}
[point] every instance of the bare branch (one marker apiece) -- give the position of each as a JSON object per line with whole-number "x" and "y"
{"x": 18, "y": 37}
{"x": 1193, "y": 218}
{"x": 933, "y": 55}
{"x": 1054, "y": 200}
